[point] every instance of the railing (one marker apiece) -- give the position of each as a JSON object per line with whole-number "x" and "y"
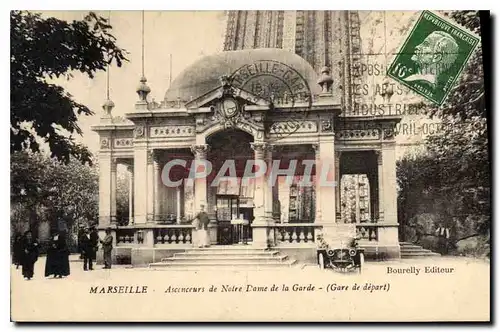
{"x": 173, "y": 234}
{"x": 295, "y": 233}
{"x": 368, "y": 231}
{"x": 125, "y": 236}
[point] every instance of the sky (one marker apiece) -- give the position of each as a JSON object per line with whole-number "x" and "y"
{"x": 187, "y": 36}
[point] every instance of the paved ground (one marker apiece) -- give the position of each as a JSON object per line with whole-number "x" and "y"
{"x": 387, "y": 291}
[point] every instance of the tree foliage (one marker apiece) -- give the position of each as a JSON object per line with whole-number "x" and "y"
{"x": 50, "y": 48}
{"x": 48, "y": 189}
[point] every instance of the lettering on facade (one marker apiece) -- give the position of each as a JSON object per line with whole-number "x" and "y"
{"x": 359, "y": 134}
{"x": 171, "y": 131}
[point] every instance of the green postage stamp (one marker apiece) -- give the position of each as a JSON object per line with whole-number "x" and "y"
{"x": 432, "y": 57}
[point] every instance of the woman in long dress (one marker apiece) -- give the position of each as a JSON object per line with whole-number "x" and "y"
{"x": 29, "y": 255}
{"x": 17, "y": 250}
{"x": 200, "y": 222}
{"x": 57, "y": 263}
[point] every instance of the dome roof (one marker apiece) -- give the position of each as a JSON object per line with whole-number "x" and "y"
{"x": 204, "y": 75}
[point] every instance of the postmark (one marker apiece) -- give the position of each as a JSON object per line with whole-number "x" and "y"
{"x": 282, "y": 86}
{"x": 433, "y": 57}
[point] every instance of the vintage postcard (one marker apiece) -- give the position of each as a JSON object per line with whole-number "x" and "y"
{"x": 263, "y": 166}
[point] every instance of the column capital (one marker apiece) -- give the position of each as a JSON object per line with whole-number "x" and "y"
{"x": 151, "y": 156}
{"x": 259, "y": 146}
{"x": 260, "y": 149}
{"x": 114, "y": 163}
{"x": 200, "y": 150}
{"x": 378, "y": 153}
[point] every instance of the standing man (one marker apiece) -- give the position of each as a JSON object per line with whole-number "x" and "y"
{"x": 107, "y": 247}
{"x": 87, "y": 250}
{"x": 202, "y": 238}
{"x": 94, "y": 242}
{"x": 443, "y": 234}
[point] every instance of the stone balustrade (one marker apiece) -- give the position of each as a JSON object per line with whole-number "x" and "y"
{"x": 173, "y": 234}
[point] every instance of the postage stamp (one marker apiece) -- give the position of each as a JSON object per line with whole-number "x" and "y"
{"x": 432, "y": 57}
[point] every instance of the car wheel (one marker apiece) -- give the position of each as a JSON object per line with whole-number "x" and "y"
{"x": 321, "y": 261}
{"x": 361, "y": 261}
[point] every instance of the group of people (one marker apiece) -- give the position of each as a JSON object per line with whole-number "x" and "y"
{"x": 88, "y": 243}
{"x": 26, "y": 250}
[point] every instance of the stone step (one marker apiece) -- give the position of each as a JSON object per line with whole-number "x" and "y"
{"x": 225, "y": 263}
{"x": 414, "y": 246}
{"x": 219, "y": 268}
{"x": 226, "y": 253}
{"x": 415, "y": 250}
{"x": 419, "y": 254}
{"x": 256, "y": 259}
{"x": 224, "y": 256}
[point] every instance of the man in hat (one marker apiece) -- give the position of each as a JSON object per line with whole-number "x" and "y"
{"x": 201, "y": 226}
{"x": 107, "y": 247}
{"x": 87, "y": 250}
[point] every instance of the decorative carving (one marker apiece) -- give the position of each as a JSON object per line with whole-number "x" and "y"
{"x": 327, "y": 125}
{"x": 151, "y": 156}
{"x": 325, "y": 80}
{"x": 200, "y": 150}
{"x": 259, "y": 148}
{"x": 200, "y": 120}
{"x": 139, "y": 131}
{"x": 172, "y": 131}
{"x": 104, "y": 143}
{"x": 388, "y": 133}
{"x": 297, "y": 127}
{"x": 359, "y": 134}
{"x": 123, "y": 142}
{"x": 315, "y": 147}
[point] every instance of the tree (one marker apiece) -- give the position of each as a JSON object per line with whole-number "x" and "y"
{"x": 50, "y": 48}
{"x": 45, "y": 188}
{"x": 452, "y": 179}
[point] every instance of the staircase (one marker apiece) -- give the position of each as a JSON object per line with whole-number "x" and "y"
{"x": 225, "y": 257}
{"x": 410, "y": 250}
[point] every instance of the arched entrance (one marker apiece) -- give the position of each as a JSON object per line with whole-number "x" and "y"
{"x": 230, "y": 198}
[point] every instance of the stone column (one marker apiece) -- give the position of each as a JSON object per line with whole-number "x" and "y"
{"x": 140, "y": 183}
{"x": 178, "y": 211}
{"x": 388, "y": 235}
{"x": 131, "y": 195}
{"x": 113, "y": 190}
{"x": 389, "y": 185}
{"x": 268, "y": 187}
{"x": 317, "y": 184}
{"x": 156, "y": 188}
{"x": 338, "y": 208}
{"x": 326, "y": 181}
{"x": 259, "y": 225}
{"x": 200, "y": 185}
{"x": 380, "y": 177}
{"x": 150, "y": 193}
{"x": 104, "y": 189}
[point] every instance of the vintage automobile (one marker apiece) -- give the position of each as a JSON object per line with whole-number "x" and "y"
{"x": 338, "y": 249}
